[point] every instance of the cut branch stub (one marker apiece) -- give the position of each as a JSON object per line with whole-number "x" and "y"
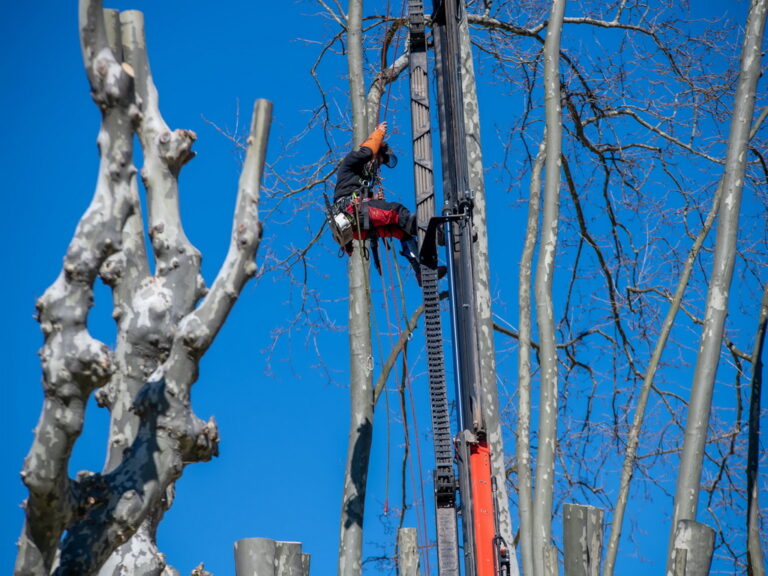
{"x": 176, "y": 148}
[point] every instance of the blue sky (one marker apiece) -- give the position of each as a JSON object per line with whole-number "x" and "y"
{"x": 283, "y": 423}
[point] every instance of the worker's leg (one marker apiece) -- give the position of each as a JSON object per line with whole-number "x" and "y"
{"x": 392, "y": 219}
{"x": 389, "y": 213}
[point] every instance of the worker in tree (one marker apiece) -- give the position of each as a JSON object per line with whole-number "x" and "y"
{"x": 357, "y": 177}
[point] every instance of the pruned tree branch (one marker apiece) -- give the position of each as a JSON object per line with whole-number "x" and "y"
{"x": 73, "y": 525}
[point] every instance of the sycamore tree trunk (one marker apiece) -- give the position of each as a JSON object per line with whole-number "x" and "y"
{"x": 489, "y": 387}
{"x": 360, "y": 349}
{"x": 544, "y": 558}
{"x": 166, "y": 321}
{"x": 525, "y": 500}
{"x": 633, "y": 439}
{"x": 365, "y": 107}
{"x": 689, "y": 475}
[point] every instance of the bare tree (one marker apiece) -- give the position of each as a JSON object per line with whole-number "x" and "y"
{"x": 645, "y": 90}
{"x": 524, "y": 487}
{"x": 360, "y": 347}
{"x": 624, "y": 161}
{"x": 166, "y": 321}
{"x": 544, "y": 561}
{"x": 716, "y": 309}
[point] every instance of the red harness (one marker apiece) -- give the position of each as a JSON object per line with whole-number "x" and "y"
{"x": 374, "y": 221}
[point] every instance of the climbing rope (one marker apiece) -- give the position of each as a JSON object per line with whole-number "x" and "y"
{"x": 396, "y": 32}
{"x": 386, "y": 396}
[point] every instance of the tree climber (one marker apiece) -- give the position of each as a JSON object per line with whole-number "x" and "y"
{"x": 372, "y": 216}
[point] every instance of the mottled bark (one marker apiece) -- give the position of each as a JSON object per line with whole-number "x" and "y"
{"x": 524, "y": 496}
{"x": 72, "y": 526}
{"x": 692, "y": 549}
{"x": 633, "y": 439}
{"x": 124, "y": 272}
{"x": 487, "y": 351}
{"x": 378, "y": 87}
{"x": 544, "y": 562}
{"x": 360, "y": 349}
{"x": 142, "y": 305}
{"x": 689, "y": 474}
{"x": 363, "y": 394}
{"x": 407, "y": 552}
{"x": 582, "y": 540}
{"x": 73, "y": 362}
{"x": 266, "y": 557}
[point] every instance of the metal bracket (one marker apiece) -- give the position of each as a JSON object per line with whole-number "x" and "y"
{"x": 428, "y": 252}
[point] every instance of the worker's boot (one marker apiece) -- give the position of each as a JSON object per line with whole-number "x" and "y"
{"x": 411, "y": 252}
{"x": 407, "y": 221}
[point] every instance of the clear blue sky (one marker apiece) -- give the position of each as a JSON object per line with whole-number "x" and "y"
{"x": 280, "y": 470}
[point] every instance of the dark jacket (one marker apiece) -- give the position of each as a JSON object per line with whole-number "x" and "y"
{"x": 352, "y": 174}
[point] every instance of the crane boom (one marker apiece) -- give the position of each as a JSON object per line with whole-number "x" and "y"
{"x": 484, "y": 550}
{"x": 444, "y": 476}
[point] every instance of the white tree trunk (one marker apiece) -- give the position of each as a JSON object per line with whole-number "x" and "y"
{"x": 525, "y": 499}
{"x": 360, "y": 349}
{"x": 544, "y": 562}
{"x": 633, "y": 440}
{"x": 582, "y": 539}
{"x": 267, "y": 557}
{"x": 689, "y": 475}
{"x": 692, "y": 549}
{"x": 407, "y": 552}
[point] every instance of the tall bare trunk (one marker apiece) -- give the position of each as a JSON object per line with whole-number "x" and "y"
{"x": 524, "y": 497}
{"x": 689, "y": 475}
{"x": 633, "y": 440}
{"x": 360, "y": 354}
{"x": 544, "y": 561}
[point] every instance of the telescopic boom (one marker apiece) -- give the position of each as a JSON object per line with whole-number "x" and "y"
{"x": 485, "y": 553}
